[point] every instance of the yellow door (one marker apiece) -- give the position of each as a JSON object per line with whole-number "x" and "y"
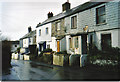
{"x": 58, "y": 46}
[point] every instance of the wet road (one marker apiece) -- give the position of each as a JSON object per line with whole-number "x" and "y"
{"x": 29, "y": 70}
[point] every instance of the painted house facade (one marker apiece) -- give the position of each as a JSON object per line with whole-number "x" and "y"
{"x": 43, "y": 34}
{"x": 74, "y": 30}
{"x": 93, "y": 23}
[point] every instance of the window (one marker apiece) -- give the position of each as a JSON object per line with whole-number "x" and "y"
{"x": 70, "y": 43}
{"x": 40, "y": 32}
{"x": 29, "y": 40}
{"x": 76, "y": 42}
{"x": 74, "y": 22}
{"x": 58, "y": 25}
{"x": 100, "y": 15}
{"x": 46, "y": 30}
{"x": 48, "y": 46}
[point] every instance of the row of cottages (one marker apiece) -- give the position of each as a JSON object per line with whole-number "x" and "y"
{"x": 75, "y": 29}
{"x": 27, "y": 40}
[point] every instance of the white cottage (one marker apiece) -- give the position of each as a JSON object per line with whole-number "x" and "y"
{"x": 43, "y": 35}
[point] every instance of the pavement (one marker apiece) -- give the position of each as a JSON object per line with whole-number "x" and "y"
{"x": 35, "y": 71}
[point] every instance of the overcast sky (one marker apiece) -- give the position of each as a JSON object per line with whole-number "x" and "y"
{"x": 17, "y": 15}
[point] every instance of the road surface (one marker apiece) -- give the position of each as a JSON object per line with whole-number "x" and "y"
{"x": 29, "y": 70}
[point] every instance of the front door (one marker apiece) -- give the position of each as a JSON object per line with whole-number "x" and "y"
{"x": 40, "y": 48}
{"x": 105, "y": 41}
{"x": 44, "y": 45}
{"x": 58, "y": 46}
{"x": 84, "y": 44}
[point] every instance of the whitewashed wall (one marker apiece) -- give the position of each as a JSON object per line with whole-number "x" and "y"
{"x": 53, "y": 44}
{"x": 44, "y": 36}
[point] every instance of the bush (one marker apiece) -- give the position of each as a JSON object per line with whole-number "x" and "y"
{"x": 47, "y": 50}
{"x": 6, "y": 54}
{"x": 111, "y": 54}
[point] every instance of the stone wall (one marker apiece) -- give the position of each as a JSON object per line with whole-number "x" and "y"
{"x": 58, "y": 59}
{"x": 60, "y": 32}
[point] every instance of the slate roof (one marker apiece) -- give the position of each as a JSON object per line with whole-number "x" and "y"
{"x": 28, "y": 35}
{"x": 72, "y": 11}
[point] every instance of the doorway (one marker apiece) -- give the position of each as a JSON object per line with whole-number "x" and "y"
{"x": 58, "y": 46}
{"x": 84, "y": 44}
{"x": 105, "y": 41}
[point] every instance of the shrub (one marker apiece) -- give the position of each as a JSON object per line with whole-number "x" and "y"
{"x": 47, "y": 50}
{"x": 111, "y": 54}
{"x": 6, "y": 54}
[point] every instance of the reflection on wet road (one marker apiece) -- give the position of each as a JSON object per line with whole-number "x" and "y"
{"x": 29, "y": 70}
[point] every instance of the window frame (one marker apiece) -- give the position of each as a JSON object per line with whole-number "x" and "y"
{"x": 58, "y": 25}
{"x": 39, "y": 32}
{"x": 98, "y": 16}
{"x": 47, "y": 30}
{"x": 74, "y": 22}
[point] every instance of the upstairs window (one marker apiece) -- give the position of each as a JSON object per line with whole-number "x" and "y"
{"x": 29, "y": 40}
{"x": 74, "y": 22}
{"x": 58, "y": 25}
{"x": 40, "y": 32}
{"x": 100, "y": 15}
{"x": 46, "y": 30}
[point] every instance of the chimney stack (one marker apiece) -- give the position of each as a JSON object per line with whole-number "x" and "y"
{"x": 66, "y": 6}
{"x": 50, "y": 14}
{"x": 29, "y": 29}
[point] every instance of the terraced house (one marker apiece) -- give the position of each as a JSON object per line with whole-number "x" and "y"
{"x": 44, "y": 39}
{"x": 27, "y": 40}
{"x": 74, "y": 30}
{"x": 93, "y": 23}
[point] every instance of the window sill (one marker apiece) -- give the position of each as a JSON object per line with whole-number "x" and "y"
{"x": 58, "y": 29}
{"x": 101, "y": 24}
{"x": 73, "y": 28}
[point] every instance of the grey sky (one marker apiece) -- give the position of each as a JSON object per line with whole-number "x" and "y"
{"x": 17, "y": 15}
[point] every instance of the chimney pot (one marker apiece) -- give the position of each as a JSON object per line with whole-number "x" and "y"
{"x": 29, "y": 29}
{"x": 66, "y": 6}
{"x": 50, "y": 14}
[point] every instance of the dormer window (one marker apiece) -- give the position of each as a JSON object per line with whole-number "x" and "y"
{"x": 74, "y": 22}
